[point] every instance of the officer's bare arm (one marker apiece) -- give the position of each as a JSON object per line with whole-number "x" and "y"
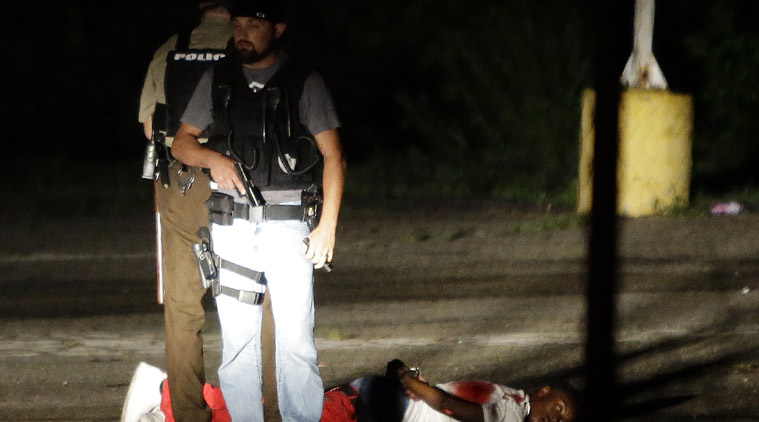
{"x": 322, "y": 239}
{"x": 442, "y": 401}
{"x": 333, "y": 180}
{"x": 188, "y": 150}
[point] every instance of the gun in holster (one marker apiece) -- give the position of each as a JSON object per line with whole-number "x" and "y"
{"x": 156, "y": 153}
{"x": 312, "y": 200}
{"x": 162, "y": 158}
{"x": 208, "y": 264}
{"x": 156, "y": 159}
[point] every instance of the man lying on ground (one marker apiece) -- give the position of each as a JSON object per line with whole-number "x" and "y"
{"x": 399, "y": 396}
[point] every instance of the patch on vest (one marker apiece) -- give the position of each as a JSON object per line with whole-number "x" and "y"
{"x": 198, "y": 57}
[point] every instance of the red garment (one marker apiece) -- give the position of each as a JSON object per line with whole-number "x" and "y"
{"x": 337, "y": 405}
{"x": 213, "y": 397}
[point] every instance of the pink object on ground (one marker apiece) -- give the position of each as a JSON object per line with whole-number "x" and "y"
{"x": 727, "y": 208}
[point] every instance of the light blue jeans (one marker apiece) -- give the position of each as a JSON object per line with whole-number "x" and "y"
{"x": 275, "y": 248}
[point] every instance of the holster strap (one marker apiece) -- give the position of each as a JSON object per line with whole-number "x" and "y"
{"x": 244, "y": 296}
{"x": 240, "y": 270}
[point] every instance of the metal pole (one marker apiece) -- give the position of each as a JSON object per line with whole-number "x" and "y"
{"x": 642, "y": 69}
{"x": 601, "y": 399}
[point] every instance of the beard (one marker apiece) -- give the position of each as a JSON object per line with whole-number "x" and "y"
{"x": 249, "y": 55}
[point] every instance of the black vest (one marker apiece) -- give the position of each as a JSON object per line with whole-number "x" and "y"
{"x": 184, "y": 68}
{"x": 263, "y": 128}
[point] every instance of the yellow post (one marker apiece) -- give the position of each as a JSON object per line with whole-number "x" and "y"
{"x": 655, "y": 128}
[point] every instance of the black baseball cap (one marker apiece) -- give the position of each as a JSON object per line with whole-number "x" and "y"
{"x": 270, "y": 10}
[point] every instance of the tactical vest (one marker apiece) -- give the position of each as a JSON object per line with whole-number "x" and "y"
{"x": 262, "y": 128}
{"x": 184, "y": 68}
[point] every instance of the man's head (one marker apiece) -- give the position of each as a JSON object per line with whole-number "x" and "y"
{"x": 214, "y": 8}
{"x": 258, "y": 26}
{"x": 206, "y": 5}
{"x": 551, "y": 405}
{"x": 395, "y": 368}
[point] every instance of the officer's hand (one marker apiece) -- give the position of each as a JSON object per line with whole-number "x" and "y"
{"x": 223, "y": 172}
{"x": 321, "y": 246}
{"x": 148, "y": 128}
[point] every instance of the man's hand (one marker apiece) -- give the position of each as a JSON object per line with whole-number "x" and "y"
{"x": 223, "y": 172}
{"x": 401, "y": 371}
{"x": 321, "y": 245}
{"x": 409, "y": 390}
{"x": 188, "y": 150}
{"x": 148, "y": 128}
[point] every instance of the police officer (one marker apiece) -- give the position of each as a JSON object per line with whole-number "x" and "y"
{"x": 180, "y": 207}
{"x": 274, "y": 117}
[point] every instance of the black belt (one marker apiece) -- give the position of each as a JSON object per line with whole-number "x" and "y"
{"x": 270, "y": 212}
{"x": 223, "y": 210}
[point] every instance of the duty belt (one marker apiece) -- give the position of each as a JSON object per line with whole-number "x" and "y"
{"x": 223, "y": 210}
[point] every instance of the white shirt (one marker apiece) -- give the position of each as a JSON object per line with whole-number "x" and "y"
{"x": 499, "y": 403}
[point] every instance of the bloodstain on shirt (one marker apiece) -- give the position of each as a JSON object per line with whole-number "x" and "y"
{"x": 479, "y": 392}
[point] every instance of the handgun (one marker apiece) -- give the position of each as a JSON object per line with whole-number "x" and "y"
{"x": 252, "y": 193}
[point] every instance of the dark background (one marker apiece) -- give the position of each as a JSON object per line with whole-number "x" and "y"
{"x": 439, "y": 99}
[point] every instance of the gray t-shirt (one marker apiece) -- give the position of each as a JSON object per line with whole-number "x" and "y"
{"x": 315, "y": 108}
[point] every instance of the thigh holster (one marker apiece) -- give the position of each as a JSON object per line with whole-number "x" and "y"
{"x": 210, "y": 265}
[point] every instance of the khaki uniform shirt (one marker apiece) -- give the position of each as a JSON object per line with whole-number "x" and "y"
{"x": 213, "y": 32}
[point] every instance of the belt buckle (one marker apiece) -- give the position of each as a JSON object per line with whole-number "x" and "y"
{"x": 256, "y": 214}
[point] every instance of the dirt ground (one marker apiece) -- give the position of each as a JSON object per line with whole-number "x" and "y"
{"x": 485, "y": 291}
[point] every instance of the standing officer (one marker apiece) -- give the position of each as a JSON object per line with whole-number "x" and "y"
{"x": 172, "y": 75}
{"x": 273, "y": 117}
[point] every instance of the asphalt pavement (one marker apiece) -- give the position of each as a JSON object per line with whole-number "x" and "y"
{"x": 489, "y": 293}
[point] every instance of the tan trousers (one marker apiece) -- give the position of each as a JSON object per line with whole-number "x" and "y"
{"x": 183, "y": 293}
{"x": 181, "y": 216}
